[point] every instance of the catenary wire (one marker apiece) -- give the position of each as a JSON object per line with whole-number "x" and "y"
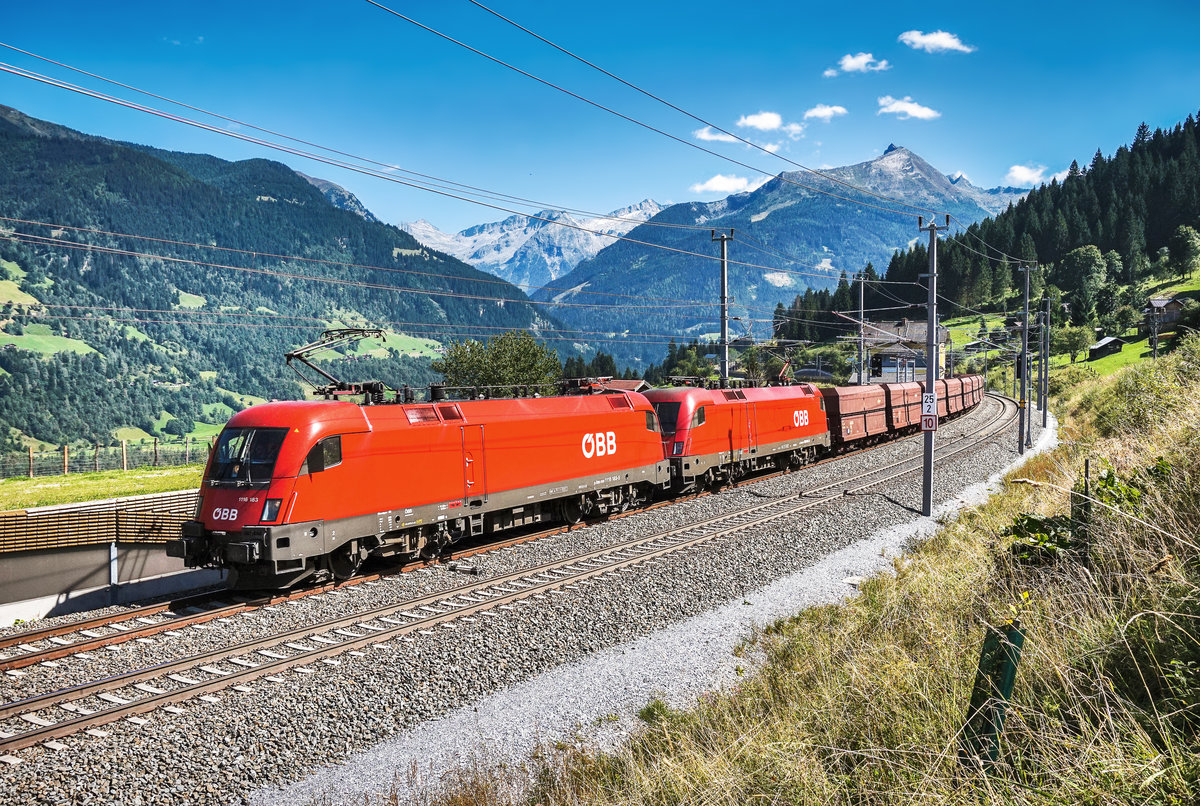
{"x": 628, "y": 118}
{"x": 299, "y": 259}
{"x": 188, "y": 312}
{"x": 42, "y": 240}
{"x": 696, "y": 118}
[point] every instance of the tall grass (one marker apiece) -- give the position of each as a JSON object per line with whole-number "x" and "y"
{"x": 864, "y": 702}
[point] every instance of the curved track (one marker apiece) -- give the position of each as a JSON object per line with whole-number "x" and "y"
{"x": 31, "y": 721}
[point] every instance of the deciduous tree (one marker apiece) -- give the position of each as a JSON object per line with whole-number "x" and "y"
{"x": 514, "y": 358}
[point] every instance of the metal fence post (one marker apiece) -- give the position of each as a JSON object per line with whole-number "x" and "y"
{"x": 994, "y": 681}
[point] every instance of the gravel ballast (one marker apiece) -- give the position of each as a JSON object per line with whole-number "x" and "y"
{"x": 583, "y": 659}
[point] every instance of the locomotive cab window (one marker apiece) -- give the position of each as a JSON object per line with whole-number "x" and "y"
{"x": 698, "y": 417}
{"x": 652, "y": 422}
{"x": 325, "y": 454}
{"x": 668, "y": 414}
{"x": 245, "y": 457}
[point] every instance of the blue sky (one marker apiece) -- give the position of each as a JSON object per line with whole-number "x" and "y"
{"x": 1004, "y": 92}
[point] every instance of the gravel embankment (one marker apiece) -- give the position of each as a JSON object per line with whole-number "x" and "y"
{"x": 539, "y": 672}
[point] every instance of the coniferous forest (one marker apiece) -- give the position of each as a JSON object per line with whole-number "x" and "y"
{"x": 1101, "y": 236}
{"x": 1119, "y": 222}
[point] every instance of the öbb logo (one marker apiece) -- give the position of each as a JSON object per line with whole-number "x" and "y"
{"x": 224, "y": 514}
{"x": 799, "y": 418}
{"x": 601, "y": 443}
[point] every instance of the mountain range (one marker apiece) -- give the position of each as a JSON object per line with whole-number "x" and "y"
{"x": 533, "y": 251}
{"x": 797, "y": 231}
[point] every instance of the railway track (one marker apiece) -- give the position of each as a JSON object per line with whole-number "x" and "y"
{"x": 45, "y": 718}
{"x": 21, "y": 650}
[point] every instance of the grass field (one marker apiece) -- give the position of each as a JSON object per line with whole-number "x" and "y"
{"x": 1176, "y": 288}
{"x": 187, "y": 300}
{"x": 965, "y": 329}
{"x": 39, "y": 339}
{"x": 133, "y": 434}
{"x": 22, "y": 493}
{"x": 9, "y": 292}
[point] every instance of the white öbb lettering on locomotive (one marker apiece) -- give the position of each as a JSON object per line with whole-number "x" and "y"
{"x": 601, "y": 443}
{"x": 800, "y": 418}
{"x": 225, "y": 514}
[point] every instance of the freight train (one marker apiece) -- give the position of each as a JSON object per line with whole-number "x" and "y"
{"x": 304, "y": 491}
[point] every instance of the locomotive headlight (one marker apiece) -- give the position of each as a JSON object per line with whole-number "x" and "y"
{"x": 678, "y": 450}
{"x": 271, "y": 509}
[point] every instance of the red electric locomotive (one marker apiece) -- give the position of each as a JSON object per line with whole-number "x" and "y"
{"x": 716, "y": 435}
{"x": 309, "y": 489}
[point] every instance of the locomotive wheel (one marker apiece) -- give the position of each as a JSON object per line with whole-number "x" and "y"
{"x": 572, "y": 511}
{"x": 345, "y": 561}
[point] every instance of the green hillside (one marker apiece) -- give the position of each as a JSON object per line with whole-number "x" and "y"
{"x": 94, "y": 339}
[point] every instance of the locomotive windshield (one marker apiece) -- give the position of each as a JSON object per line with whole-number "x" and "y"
{"x": 246, "y": 456}
{"x": 668, "y": 414}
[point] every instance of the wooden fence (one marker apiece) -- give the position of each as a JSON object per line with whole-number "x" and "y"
{"x": 75, "y": 459}
{"x": 153, "y": 518}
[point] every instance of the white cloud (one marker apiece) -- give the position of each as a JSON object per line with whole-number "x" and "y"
{"x": 763, "y": 121}
{"x": 772, "y": 147}
{"x": 711, "y": 135}
{"x": 729, "y": 184}
{"x": 1061, "y": 175}
{"x": 860, "y": 63}
{"x": 1031, "y": 175}
{"x": 830, "y": 72}
{"x": 935, "y": 42}
{"x": 794, "y": 130}
{"x": 825, "y": 112}
{"x": 906, "y": 108}
{"x": 1026, "y": 175}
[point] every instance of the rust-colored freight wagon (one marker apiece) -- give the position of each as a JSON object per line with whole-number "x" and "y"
{"x": 903, "y": 404}
{"x": 954, "y": 395}
{"x": 855, "y": 412}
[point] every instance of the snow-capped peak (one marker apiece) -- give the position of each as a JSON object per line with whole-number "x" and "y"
{"x": 533, "y": 250}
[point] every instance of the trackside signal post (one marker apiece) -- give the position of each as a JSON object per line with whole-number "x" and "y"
{"x": 1023, "y": 424}
{"x": 931, "y": 365}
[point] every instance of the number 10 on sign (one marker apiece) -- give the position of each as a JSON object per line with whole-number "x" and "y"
{"x": 929, "y": 411}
